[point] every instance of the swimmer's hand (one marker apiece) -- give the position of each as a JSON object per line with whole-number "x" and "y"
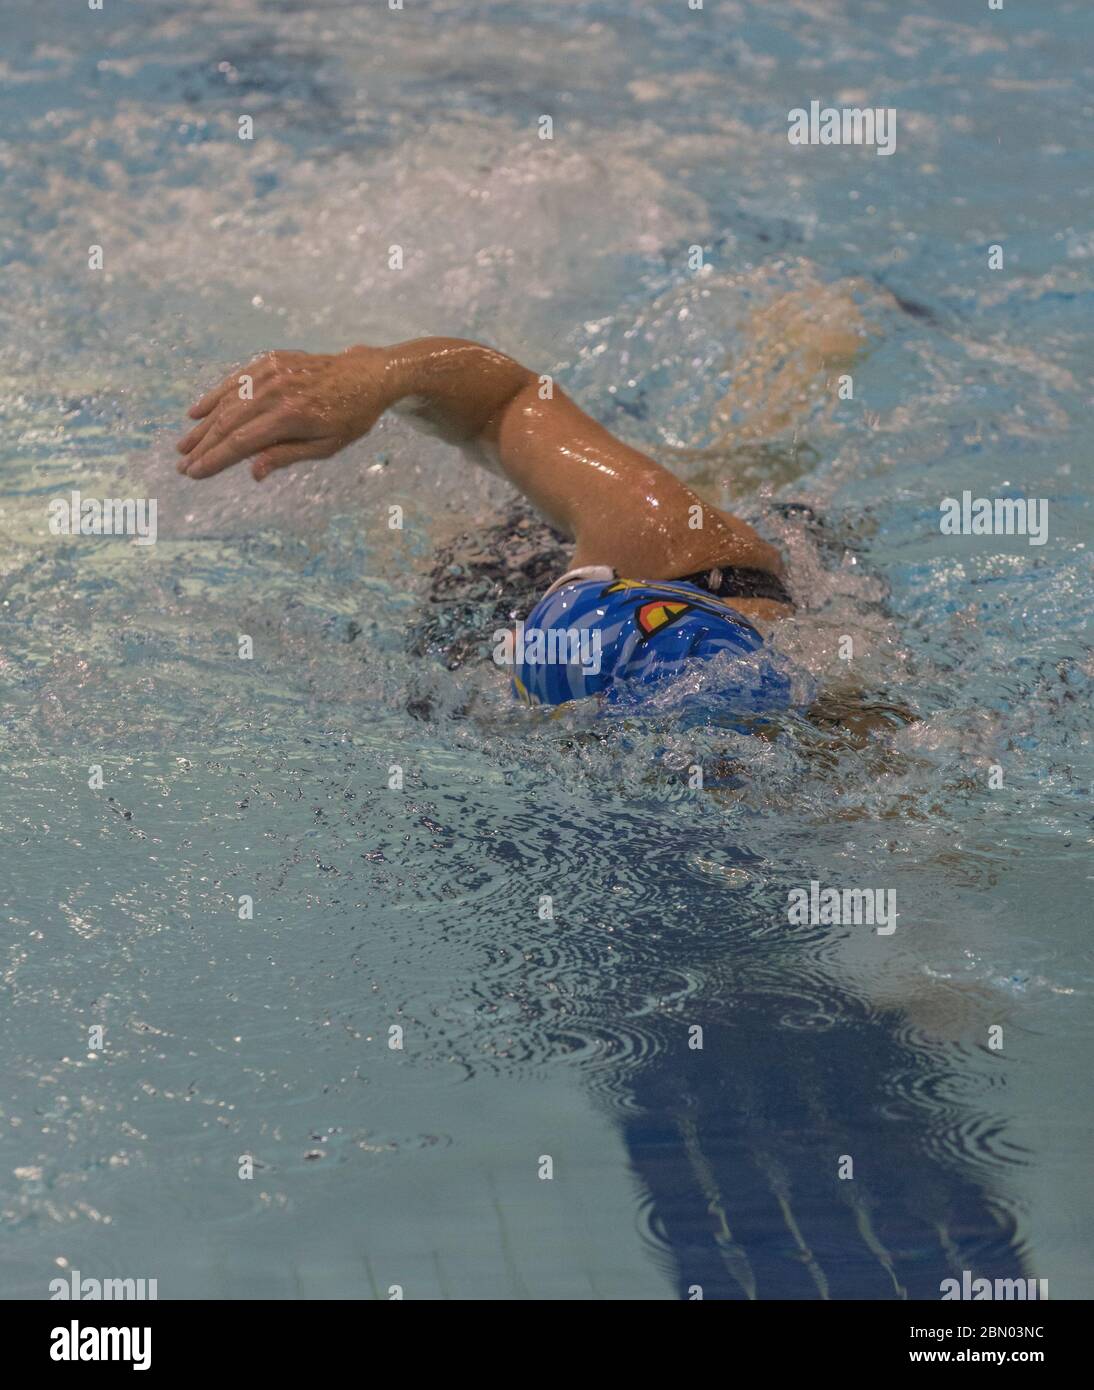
{"x": 285, "y": 407}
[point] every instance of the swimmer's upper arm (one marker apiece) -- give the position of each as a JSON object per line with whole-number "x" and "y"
{"x": 621, "y": 507}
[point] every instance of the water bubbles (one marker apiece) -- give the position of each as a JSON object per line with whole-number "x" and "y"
{"x": 372, "y": 907}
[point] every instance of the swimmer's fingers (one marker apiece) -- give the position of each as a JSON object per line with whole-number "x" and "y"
{"x": 233, "y": 445}
{"x": 227, "y": 416}
{"x": 212, "y": 399}
{"x": 257, "y": 371}
{"x": 189, "y": 442}
{"x": 285, "y": 454}
{"x": 202, "y": 407}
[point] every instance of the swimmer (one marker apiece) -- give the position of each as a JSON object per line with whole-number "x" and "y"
{"x": 661, "y": 578}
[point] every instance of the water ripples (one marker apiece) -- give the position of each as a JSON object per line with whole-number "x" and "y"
{"x": 541, "y": 900}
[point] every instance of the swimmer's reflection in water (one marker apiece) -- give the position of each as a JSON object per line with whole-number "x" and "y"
{"x": 660, "y": 578}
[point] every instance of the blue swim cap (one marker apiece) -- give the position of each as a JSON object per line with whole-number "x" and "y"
{"x": 624, "y": 639}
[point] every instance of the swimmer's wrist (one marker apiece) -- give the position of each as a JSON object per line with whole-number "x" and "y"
{"x": 451, "y": 387}
{"x": 400, "y": 376}
{"x": 383, "y": 374}
{"x": 406, "y": 370}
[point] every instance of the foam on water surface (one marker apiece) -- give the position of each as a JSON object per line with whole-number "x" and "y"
{"x": 270, "y": 778}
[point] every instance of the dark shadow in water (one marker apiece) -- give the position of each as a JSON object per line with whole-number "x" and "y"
{"x": 739, "y": 1148}
{"x": 739, "y": 1144}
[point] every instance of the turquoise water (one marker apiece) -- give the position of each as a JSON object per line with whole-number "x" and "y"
{"x": 420, "y": 908}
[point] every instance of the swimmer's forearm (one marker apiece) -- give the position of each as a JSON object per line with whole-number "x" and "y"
{"x": 452, "y": 385}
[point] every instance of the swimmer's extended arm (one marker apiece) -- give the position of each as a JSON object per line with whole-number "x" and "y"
{"x": 620, "y": 506}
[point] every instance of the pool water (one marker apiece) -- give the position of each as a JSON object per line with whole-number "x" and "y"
{"x": 623, "y": 1073}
